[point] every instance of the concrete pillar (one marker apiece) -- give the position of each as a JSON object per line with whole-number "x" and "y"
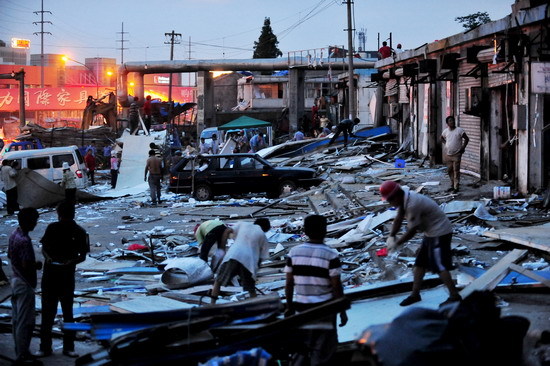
{"x": 206, "y": 116}
{"x": 296, "y": 82}
{"x": 138, "y": 87}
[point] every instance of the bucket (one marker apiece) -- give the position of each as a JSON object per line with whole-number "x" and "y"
{"x": 399, "y": 163}
{"x": 501, "y": 193}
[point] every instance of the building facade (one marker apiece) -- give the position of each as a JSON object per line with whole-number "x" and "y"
{"x": 495, "y": 80}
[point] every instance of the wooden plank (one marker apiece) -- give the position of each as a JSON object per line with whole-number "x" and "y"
{"x": 531, "y": 236}
{"x": 530, "y": 274}
{"x": 490, "y": 279}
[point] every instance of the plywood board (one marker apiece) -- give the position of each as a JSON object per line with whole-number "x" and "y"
{"x": 147, "y": 304}
{"x": 530, "y": 236}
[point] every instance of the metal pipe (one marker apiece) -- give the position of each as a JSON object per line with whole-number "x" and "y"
{"x": 177, "y": 66}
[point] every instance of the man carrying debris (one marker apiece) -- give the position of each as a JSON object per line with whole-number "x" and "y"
{"x": 455, "y": 141}
{"x": 422, "y": 214}
{"x": 209, "y": 233}
{"x": 345, "y": 126}
{"x": 312, "y": 278}
{"x": 153, "y": 166}
{"x": 23, "y": 283}
{"x": 64, "y": 245}
{"x": 244, "y": 257}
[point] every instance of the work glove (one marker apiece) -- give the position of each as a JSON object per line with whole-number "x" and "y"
{"x": 391, "y": 243}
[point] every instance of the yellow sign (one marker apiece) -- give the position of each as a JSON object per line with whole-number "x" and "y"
{"x": 20, "y": 43}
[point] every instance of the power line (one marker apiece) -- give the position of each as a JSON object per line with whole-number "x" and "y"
{"x": 42, "y": 22}
{"x": 122, "y": 40}
{"x": 173, "y": 38}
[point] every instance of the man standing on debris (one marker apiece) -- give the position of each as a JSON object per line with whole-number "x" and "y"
{"x": 153, "y": 166}
{"x": 209, "y": 233}
{"x": 455, "y": 141}
{"x": 244, "y": 257}
{"x": 312, "y": 278}
{"x": 133, "y": 115}
{"x": 422, "y": 214}
{"x": 345, "y": 126}
{"x": 23, "y": 283}
{"x": 89, "y": 160}
{"x": 64, "y": 245}
{"x": 8, "y": 174}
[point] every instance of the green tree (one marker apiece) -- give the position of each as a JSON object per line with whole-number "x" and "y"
{"x": 266, "y": 46}
{"x": 474, "y": 20}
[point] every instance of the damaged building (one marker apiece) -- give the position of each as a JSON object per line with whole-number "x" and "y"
{"x": 494, "y": 80}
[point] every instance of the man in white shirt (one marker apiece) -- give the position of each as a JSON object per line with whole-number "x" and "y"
{"x": 204, "y": 147}
{"x": 455, "y": 141}
{"x": 244, "y": 256}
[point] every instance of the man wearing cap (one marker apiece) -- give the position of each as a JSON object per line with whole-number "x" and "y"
{"x": 69, "y": 183}
{"x": 422, "y": 215}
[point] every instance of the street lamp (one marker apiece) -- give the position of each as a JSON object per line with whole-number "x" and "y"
{"x": 66, "y": 58}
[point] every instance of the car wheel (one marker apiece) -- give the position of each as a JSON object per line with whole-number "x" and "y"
{"x": 286, "y": 187}
{"x": 203, "y": 192}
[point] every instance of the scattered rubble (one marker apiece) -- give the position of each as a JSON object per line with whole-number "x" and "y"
{"x": 144, "y": 258}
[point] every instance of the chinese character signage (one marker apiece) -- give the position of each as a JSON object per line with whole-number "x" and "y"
{"x": 540, "y": 77}
{"x": 41, "y": 99}
{"x": 20, "y": 43}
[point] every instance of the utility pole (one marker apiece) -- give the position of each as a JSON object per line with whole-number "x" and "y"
{"x": 122, "y": 40}
{"x": 352, "y": 98}
{"x": 42, "y": 22}
{"x": 172, "y": 39}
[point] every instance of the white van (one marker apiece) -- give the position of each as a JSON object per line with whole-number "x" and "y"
{"x": 48, "y": 162}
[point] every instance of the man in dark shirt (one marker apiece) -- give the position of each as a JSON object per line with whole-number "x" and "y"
{"x": 153, "y": 166}
{"x": 23, "y": 283}
{"x": 64, "y": 245}
{"x": 133, "y": 114}
{"x": 345, "y": 126}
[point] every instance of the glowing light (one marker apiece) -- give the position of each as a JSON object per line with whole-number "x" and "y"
{"x": 215, "y": 74}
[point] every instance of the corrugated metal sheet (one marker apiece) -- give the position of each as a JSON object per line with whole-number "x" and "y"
{"x": 471, "y": 159}
{"x": 498, "y": 79}
{"x": 404, "y": 85}
{"x": 391, "y": 88}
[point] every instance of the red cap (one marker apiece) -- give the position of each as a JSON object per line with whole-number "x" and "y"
{"x": 388, "y": 189}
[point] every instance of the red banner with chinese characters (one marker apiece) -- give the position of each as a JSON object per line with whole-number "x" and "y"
{"x": 74, "y": 98}
{"x": 46, "y": 99}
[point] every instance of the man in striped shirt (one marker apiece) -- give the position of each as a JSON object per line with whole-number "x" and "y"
{"x": 313, "y": 278}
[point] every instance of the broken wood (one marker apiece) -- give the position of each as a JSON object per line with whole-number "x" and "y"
{"x": 530, "y": 274}
{"x": 490, "y": 279}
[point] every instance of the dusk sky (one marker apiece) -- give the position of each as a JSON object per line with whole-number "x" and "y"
{"x": 228, "y": 28}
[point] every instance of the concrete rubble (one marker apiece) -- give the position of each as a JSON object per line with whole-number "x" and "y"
{"x": 144, "y": 258}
